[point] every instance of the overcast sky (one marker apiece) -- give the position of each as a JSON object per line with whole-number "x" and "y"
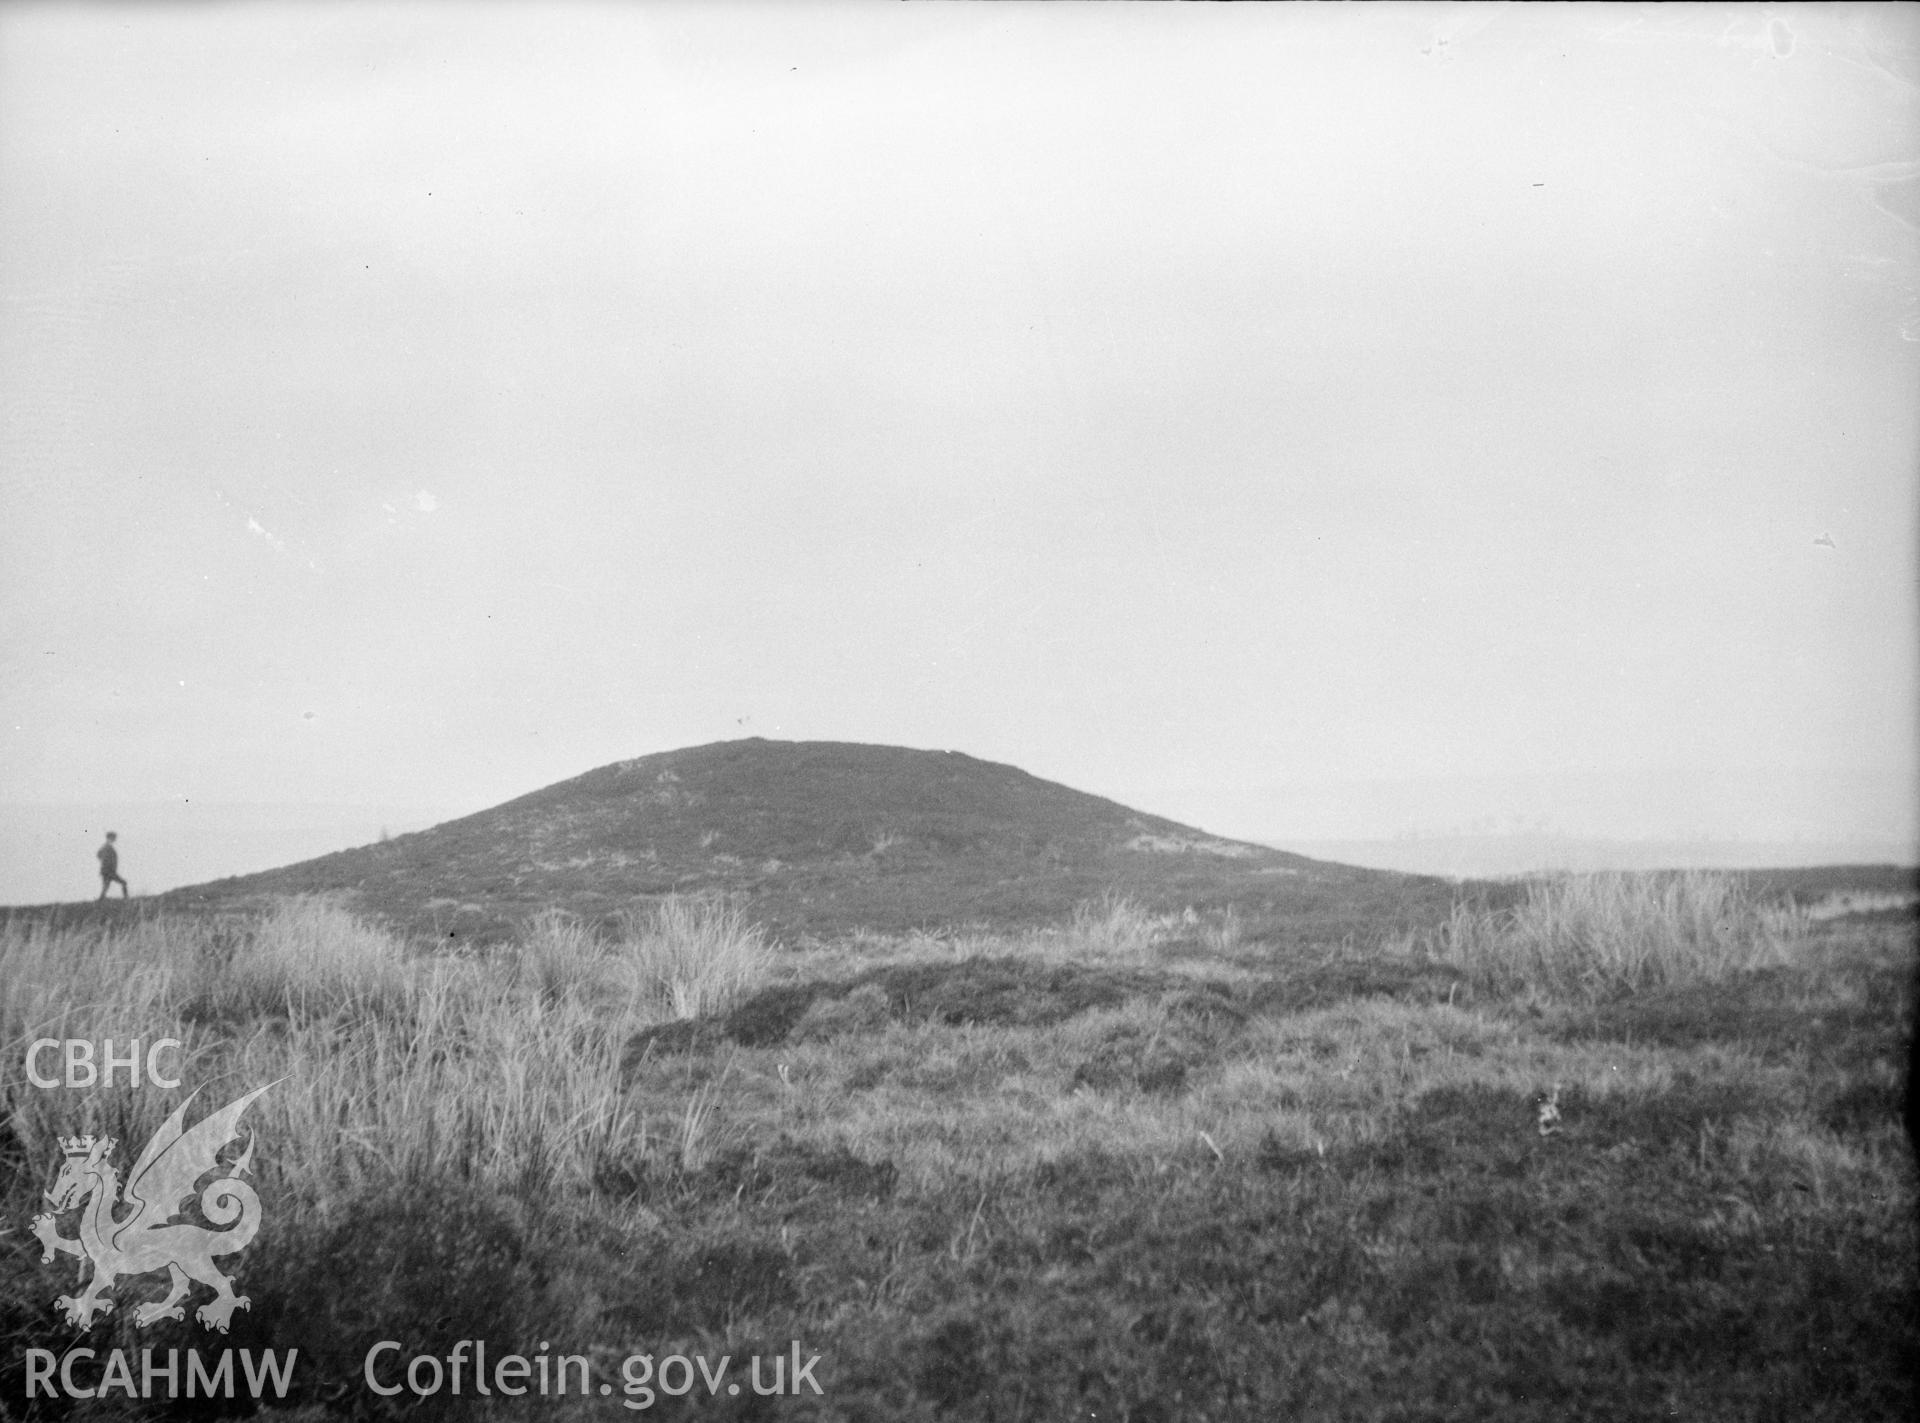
{"x": 423, "y": 404}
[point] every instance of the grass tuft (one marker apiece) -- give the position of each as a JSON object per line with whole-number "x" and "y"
{"x": 308, "y": 958}
{"x": 1113, "y": 926}
{"x": 695, "y": 956}
{"x": 561, "y": 957}
{"x": 1589, "y": 938}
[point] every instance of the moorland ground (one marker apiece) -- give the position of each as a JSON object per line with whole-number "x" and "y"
{"x": 1616, "y": 1147}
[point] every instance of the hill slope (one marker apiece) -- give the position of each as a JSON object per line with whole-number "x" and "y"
{"x": 817, "y": 836}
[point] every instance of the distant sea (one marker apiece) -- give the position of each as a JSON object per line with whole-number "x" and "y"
{"x": 1494, "y": 825}
{"x": 1499, "y": 856}
{"x": 47, "y": 851}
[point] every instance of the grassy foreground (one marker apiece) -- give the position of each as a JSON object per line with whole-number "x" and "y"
{"x": 1629, "y": 1147}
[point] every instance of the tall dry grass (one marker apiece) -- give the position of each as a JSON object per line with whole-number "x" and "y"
{"x": 1113, "y": 926}
{"x": 309, "y": 957}
{"x": 694, "y": 955}
{"x": 560, "y": 958}
{"x": 83, "y": 983}
{"x": 1596, "y": 936}
{"x": 389, "y": 1065}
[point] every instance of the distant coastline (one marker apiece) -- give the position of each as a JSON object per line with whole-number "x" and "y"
{"x": 1496, "y": 856}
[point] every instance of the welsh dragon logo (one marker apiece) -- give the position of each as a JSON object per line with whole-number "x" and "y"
{"x": 147, "y": 1238}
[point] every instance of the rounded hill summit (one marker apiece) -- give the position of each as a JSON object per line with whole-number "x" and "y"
{"x": 816, "y": 836}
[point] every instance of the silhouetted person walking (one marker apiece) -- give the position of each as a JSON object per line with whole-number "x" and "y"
{"x": 110, "y": 868}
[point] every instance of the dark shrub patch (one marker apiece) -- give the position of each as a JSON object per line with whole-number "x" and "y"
{"x": 848, "y": 1174}
{"x": 1166, "y": 1075}
{"x": 789, "y": 1170}
{"x": 1108, "y": 1073}
{"x": 727, "y": 1278}
{"x": 1017, "y": 992}
{"x": 1659, "y": 1119}
{"x": 427, "y": 1263}
{"x": 682, "y": 1035}
{"x": 624, "y": 1177}
{"x": 1007, "y": 991}
{"x": 1344, "y": 977}
{"x": 1129, "y": 1064}
{"x": 952, "y": 1370}
{"x": 1210, "y": 1005}
{"x": 704, "y": 1285}
{"x": 1864, "y": 1107}
{"x": 781, "y": 1175}
{"x": 1765, "y": 1012}
{"x": 1486, "y": 1129}
{"x": 765, "y": 1019}
{"x": 863, "y": 1010}
{"x": 1082, "y": 1180}
{"x": 1277, "y": 1155}
{"x": 761, "y": 1021}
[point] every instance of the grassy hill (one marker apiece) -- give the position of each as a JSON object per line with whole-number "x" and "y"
{"x": 820, "y": 838}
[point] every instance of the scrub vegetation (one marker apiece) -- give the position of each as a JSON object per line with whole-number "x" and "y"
{"x": 1598, "y": 936}
{"x": 1617, "y": 1147}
